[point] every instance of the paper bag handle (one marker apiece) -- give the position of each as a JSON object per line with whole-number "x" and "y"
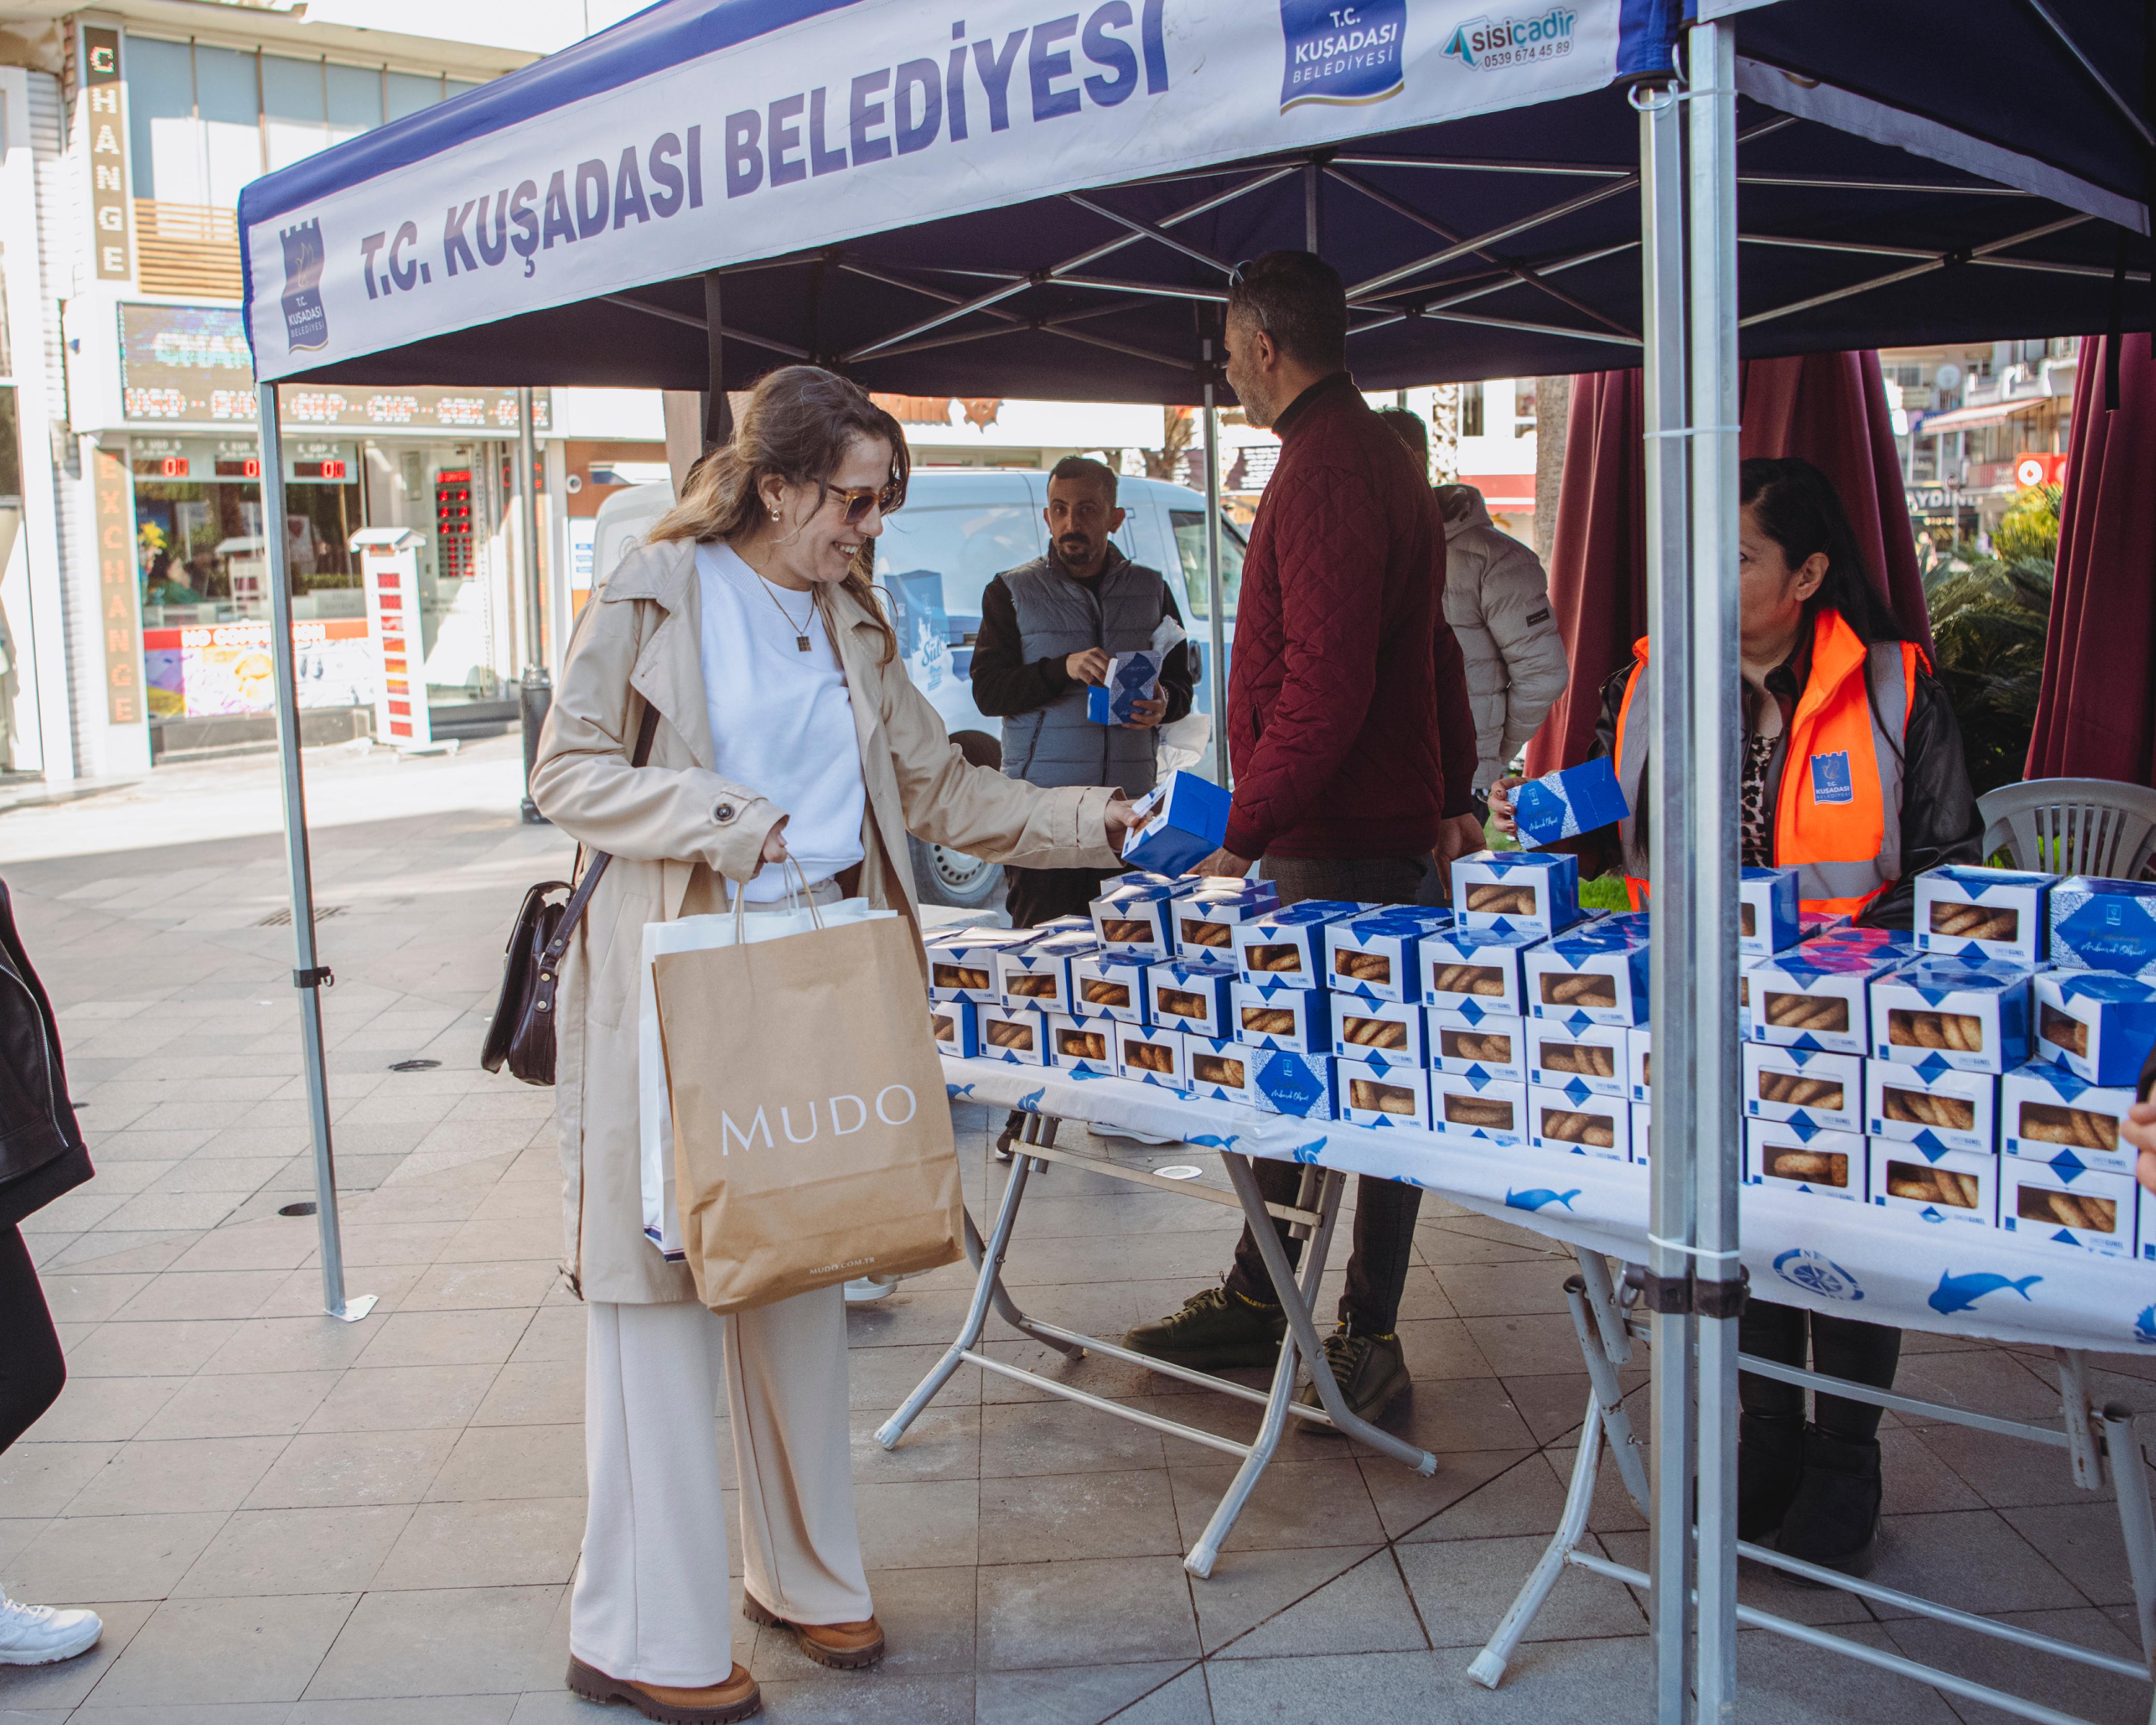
{"x": 795, "y": 896}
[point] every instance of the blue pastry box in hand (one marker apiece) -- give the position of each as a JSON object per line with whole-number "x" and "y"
{"x": 1184, "y": 822}
{"x": 1133, "y": 677}
{"x": 1568, "y": 802}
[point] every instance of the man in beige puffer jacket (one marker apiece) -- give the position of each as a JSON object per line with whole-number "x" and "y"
{"x": 1497, "y": 599}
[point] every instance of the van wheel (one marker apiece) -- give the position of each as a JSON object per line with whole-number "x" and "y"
{"x": 951, "y": 877}
{"x": 946, "y": 876}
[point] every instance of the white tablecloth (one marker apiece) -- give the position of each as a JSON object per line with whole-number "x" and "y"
{"x": 1832, "y": 1254}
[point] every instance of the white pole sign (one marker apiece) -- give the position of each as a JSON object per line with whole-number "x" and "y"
{"x": 389, "y": 567}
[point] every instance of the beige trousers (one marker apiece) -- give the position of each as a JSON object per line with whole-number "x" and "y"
{"x": 651, "y": 1602}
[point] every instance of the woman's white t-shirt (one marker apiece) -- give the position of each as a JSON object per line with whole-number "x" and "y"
{"x": 781, "y": 719}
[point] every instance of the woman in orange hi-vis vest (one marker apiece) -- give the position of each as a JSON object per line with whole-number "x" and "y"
{"x": 1853, "y": 774}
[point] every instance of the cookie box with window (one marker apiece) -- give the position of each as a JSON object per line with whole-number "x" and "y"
{"x": 1585, "y": 1125}
{"x": 1997, "y": 914}
{"x": 2068, "y": 1205}
{"x": 1085, "y": 1048}
{"x": 1038, "y": 974}
{"x": 1288, "y": 946}
{"x": 1643, "y": 1121}
{"x": 1815, "y": 997}
{"x": 1177, "y": 824}
{"x": 1935, "y": 1185}
{"x": 1531, "y": 891}
{"x": 1018, "y": 1036}
{"x": 1804, "y": 1086}
{"x": 1491, "y": 1110}
{"x": 963, "y": 966}
{"x": 1477, "y": 1045}
{"x": 1596, "y": 973}
{"x": 1955, "y": 1012}
{"x": 2098, "y": 924}
{"x": 1383, "y": 1095}
{"x": 2047, "y": 1112}
{"x": 1387, "y": 1031}
{"x": 1191, "y": 995}
{"x": 1804, "y": 1158}
{"x": 1766, "y": 916}
{"x": 1275, "y": 1015}
{"x": 1151, "y": 1056}
{"x": 1639, "y": 1063}
{"x": 1938, "y": 1106}
{"x": 2098, "y": 1025}
{"x": 1300, "y": 1085}
{"x": 1480, "y": 967}
{"x": 1592, "y": 1057}
{"x": 1221, "y": 1070}
{"x": 1133, "y": 917}
{"x": 1206, "y": 915}
{"x": 1109, "y": 985}
{"x": 1379, "y": 955}
{"x": 952, "y": 1023}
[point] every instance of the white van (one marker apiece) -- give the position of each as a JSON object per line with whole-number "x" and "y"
{"x": 961, "y": 528}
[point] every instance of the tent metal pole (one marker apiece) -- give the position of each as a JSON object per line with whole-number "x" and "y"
{"x": 1670, "y": 830}
{"x": 1711, "y": 909}
{"x": 537, "y": 692}
{"x": 308, "y": 971}
{"x": 1216, "y": 664}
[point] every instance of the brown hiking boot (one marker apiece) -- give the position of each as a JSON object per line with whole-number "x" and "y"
{"x": 843, "y": 1646}
{"x": 716, "y": 1704}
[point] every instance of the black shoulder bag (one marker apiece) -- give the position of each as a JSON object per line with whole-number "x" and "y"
{"x": 523, "y": 1032}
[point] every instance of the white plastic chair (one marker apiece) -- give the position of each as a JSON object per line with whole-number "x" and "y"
{"x": 2072, "y": 826}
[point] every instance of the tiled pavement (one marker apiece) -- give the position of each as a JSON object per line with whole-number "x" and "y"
{"x": 286, "y": 1519}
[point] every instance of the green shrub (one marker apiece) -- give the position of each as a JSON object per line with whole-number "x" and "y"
{"x": 1989, "y": 615}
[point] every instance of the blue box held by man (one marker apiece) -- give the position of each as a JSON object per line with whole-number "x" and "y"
{"x": 1133, "y": 677}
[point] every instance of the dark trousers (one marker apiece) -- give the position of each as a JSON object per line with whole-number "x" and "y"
{"x": 1384, "y": 1209}
{"x": 1034, "y": 897}
{"x": 1840, "y": 1346}
{"x": 32, "y": 1368}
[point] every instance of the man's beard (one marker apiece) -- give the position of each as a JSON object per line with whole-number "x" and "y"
{"x": 1061, "y": 550}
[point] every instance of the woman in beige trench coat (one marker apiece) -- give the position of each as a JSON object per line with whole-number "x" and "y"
{"x": 793, "y": 503}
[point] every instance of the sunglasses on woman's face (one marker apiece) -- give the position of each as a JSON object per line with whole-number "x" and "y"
{"x": 854, "y": 500}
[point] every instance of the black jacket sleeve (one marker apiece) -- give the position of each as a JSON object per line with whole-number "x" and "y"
{"x": 1003, "y": 683}
{"x": 1176, "y": 679}
{"x": 1940, "y": 821}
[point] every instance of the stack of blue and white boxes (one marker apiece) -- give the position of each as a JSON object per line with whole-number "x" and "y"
{"x": 1975, "y": 1073}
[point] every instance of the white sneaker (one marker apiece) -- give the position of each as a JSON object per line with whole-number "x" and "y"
{"x": 38, "y": 1634}
{"x": 862, "y": 1289}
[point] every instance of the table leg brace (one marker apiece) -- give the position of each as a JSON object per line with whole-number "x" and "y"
{"x": 1300, "y": 1326}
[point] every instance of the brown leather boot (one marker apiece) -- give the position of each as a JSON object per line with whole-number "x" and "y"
{"x": 843, "y": 1646}
{"x": 716, "y": 1704}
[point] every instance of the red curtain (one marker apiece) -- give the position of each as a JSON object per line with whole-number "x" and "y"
{"x": 2096, "y": 717}
{"x": 1829, "y": 407}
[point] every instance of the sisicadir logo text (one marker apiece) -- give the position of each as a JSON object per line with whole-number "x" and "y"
{"x": 1490, "y": 44}
{"x": 1341, "y": 55}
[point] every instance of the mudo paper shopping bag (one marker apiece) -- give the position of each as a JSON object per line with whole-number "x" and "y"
{"x": 812, "y": 1139}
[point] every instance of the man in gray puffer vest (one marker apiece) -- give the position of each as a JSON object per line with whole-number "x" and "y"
{"x": 1048, "y": 631}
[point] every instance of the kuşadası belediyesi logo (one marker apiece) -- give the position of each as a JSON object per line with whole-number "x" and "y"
{"x": 306, "y": 324}
{"x": 1489, "y": 44}
{"x": 1342, "y": 53}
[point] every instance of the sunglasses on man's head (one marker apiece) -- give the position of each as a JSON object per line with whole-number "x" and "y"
{"x": 854, "y": 500}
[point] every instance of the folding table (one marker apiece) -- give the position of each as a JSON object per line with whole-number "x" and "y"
{"x": 1826, "y": 1254}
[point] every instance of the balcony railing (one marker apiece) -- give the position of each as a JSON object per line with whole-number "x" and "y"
{"x": 189, "y": 250}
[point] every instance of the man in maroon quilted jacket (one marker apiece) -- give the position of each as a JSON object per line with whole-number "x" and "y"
{"x": 1353, "y": 747}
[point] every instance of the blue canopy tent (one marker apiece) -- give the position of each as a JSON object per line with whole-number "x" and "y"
{"x": 1014, "y": 204}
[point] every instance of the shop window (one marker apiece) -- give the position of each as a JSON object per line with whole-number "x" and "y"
{"x": 295, "y": 117}
{"x": 352, "y": 98}
{"x": 1470, "y": 410}
{"x": 1190, "y": 525}
{"x": 407, "y": 93}
{"x": 160, "y": 121}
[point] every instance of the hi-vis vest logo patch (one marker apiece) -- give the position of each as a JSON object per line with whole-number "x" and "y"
{"x": 306, "y": 325}
{"x": 1341, "y": 55}
{"x": 1831, "y": 779}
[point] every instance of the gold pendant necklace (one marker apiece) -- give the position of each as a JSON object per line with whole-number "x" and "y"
{"x": 800, "y": 629}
